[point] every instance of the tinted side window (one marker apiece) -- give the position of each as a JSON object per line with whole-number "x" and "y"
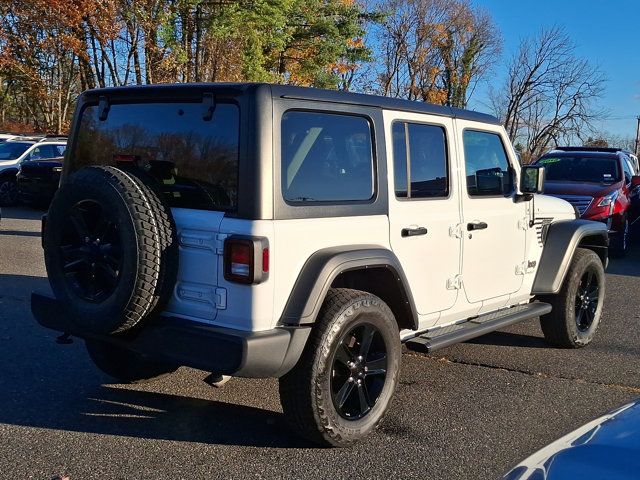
{"x": 486, "y": 164}
{"x": 194, "y": 161}
{"x": 326, "y": 157}
{"x": 420, "y": 160}
{"x": 49, "y": 151}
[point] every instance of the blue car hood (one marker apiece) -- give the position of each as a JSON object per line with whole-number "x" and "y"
{"x": 606, "y": 448}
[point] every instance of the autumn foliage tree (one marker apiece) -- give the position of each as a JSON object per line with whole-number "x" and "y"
{"x": 51, "y": 50}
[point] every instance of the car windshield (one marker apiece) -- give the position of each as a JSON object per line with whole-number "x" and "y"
{"x": 12, "y": 150}
{"x": 580, "y": 169}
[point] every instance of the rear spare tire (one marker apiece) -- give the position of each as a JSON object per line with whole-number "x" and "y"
{"x": 110, "y": 250}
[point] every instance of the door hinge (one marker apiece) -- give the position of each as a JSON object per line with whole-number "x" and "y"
{"x": 220, "y": 238}
{"x": 455, "y": 231}
{"x": 454, "y": 283}
{"x": 526, "y": 267}
{"x": 221, "y": 298}
{"x": 524, "y": 223}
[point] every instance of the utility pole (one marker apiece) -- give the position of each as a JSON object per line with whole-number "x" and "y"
{"x": 638, "y": 139}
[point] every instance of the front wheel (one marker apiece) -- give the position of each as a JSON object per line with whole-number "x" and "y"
{"x": 577, "y": 308}
{"x": 621, "y": 243}
{"x": 343, "y": 384}
{"x": 8, "y": 192}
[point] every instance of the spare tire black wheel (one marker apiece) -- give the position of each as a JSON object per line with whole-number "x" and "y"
{"x": 110, "y": 253}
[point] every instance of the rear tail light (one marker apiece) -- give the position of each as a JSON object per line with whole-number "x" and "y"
{"x": 246, "y": 259}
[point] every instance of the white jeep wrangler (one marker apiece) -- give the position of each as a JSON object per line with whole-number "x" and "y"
{"x": 274, "y": 231}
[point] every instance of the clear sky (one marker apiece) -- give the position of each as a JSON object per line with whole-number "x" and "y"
{"x": 607, "y": 33}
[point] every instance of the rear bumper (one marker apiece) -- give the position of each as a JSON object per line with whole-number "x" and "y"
{"x": 270, "y": 353}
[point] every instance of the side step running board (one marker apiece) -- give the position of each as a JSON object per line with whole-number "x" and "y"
{"x": 443, "y": 337}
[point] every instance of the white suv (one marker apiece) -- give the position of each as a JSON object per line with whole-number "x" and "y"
{"x": 17, "y": 150}
{"x": 274, "y": 231}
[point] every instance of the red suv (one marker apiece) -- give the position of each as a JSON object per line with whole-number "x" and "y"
{"x": 602, "y": 185}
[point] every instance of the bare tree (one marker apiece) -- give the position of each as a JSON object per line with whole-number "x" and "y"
{"x": 608, "y": 139}
{"x": 435, "y": 50}
{"x": 549, "y": 95}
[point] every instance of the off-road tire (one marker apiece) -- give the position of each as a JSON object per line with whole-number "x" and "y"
{"x": 560, "y": 326}
{"x": 149, "y": 250}
{"x": 124, "y": 365}
{"x": 305, "y": 392}
{"x": 167, "y": 229}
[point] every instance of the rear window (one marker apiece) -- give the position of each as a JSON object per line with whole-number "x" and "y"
{"x": 326, "y": 157}
{"x": 195, "y": 162}
{"x": 580, "y": 169}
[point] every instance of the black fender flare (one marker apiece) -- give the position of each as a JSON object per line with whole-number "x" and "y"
{"x": 322, "y": 268}
{"x": 562, "y": 240}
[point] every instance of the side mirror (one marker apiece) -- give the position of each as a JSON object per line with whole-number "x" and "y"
{"x": 635, "y": 180}
{"x": 532, "y": 179}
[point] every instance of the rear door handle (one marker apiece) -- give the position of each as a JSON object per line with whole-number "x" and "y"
{"x": 476, "y": 226}
{"x": 412, "y": 232}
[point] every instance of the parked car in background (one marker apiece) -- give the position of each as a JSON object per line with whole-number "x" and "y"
{"x": 6, "y": 136}
{"x": 38, "y": 181}
{"x": 606, "y": 448}
{"x": 633, "y": 159}
{"x": 600, "y": 183}
{"x": 18, "y": 150}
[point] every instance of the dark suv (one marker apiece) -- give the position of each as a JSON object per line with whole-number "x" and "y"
{"x": 600, "y": 183}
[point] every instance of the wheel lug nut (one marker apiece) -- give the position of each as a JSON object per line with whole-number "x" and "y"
{"x": 360, "y": 358}
{"x": 350, "y": 379}
{"x": 359, "y": 382}
{"x": 366, "y": 369}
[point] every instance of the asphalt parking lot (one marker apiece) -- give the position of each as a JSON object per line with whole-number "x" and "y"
{"x": 470, "y": 411}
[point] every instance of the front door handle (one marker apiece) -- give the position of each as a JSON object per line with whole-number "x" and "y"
{"x": 476, "y": 226}
{"x": 412, "y": 232}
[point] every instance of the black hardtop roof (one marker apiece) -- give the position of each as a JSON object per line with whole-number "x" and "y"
{"x": 301, "y": 93}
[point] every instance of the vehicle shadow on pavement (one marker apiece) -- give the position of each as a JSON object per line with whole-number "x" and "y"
{"x": 126, "y": 412}
{"x": 144, "y": 414}
{"x": 46, "y": 385}
{"x": 19, "y": 233}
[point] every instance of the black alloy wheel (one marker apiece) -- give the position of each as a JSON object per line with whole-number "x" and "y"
{"x": 624, "y": 241}
{"x": 577, "y": 308}
{"x": 343, "y": 383}
{"x": 359, "y": 371}
{"x": 586, "y": 300}
{"x": 620, "y": 243}
{"x": 91, "y": 251}
{"x": 8, "y": 193}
